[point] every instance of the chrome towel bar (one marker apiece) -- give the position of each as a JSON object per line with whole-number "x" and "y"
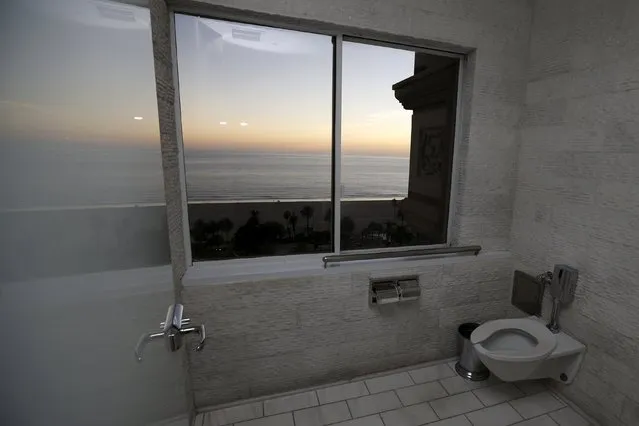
{"x": 435, "y": 251}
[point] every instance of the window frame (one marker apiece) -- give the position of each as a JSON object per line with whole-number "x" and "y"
{"x": 250, "y": 266}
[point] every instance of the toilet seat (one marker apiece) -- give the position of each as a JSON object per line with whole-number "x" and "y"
{"x": 544, "y": 340}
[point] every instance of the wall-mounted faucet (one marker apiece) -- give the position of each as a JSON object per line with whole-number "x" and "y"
{"x": 562, "y": 283}
{"x": 172, "y": 330}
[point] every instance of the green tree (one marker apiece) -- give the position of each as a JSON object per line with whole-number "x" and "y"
{"x": 198, "y": 231}
{"x": 389, "y": 225}
{"x": 328, "y": 216}
{"x": 226, "y": 226}
{"x": 307, "y": 212}
{"x": 287, "y": 220}
{"x": 400, "y": 216}
{"x": 347, "y": 226}
{"x": 293, "y": 222}
{"x": 254, "y": 220}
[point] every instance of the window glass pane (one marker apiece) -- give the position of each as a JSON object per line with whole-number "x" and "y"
{"x": 256, "y": 109}
{"x": 398, "y": 119}
{"x": 80, "y": 170}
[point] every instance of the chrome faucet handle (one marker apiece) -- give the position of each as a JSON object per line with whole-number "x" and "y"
{"x": 185, "y": 322}
{"x": 142, "y": 342}
{"x": 199, "y": 329}
{"x": 171, "y": 331}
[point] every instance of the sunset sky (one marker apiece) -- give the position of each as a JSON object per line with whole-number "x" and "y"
{"x": 82, "y": 70}
{"x": 278, "y": 83}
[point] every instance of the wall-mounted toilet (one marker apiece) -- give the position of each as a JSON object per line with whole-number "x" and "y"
{"x": 525, "y": 348}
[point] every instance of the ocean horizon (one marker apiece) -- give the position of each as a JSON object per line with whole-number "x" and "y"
{"x": 73, "y": 175}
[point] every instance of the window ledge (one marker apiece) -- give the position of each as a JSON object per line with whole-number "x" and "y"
{"x": 247, "y": 270}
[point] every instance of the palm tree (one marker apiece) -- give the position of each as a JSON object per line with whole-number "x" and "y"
{"x": 293, "y": 222}
{"x": 225, "y": 225}
{"x": 389, "y": 230}
{"x": 347, "y": 225}
{"x": 307, "y": 212}
{"x": 198, "y": 231}
{"x": 287, "y": 219}
{"x": 328, "y": 216}
{"x": 254, "y": 220}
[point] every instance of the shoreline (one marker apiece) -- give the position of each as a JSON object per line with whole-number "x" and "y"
{"x": 197, "y": 202}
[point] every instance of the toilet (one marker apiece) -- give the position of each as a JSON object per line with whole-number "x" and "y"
{"x": 525, "y": 349}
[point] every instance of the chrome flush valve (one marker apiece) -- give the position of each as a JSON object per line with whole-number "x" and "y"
{"x": 172, "y": 330}
{"x": 545, "y": 278}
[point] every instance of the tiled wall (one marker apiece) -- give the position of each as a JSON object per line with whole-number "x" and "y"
{"x": 282, "y": 334}
{"x": 577, "y": 196}
{"x": 277, "y": 335}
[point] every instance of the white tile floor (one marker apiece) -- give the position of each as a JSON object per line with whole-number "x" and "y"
{"x": 432, "y": 395}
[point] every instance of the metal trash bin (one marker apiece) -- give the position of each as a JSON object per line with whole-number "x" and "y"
{"x": 469, "y": 365}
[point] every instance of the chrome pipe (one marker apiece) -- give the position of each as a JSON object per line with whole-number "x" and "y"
{"x": 553, "y": 325}
{"x": 435, "y": 251}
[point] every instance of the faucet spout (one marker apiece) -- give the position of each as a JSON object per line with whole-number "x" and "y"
{"x": 201, "y": 331}
{"x": 144, "y": 339}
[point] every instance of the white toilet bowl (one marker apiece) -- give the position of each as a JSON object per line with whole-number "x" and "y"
{"x": 524, "y": 349}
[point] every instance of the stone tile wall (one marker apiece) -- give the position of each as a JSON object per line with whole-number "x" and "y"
{"x": 577, "y": 193}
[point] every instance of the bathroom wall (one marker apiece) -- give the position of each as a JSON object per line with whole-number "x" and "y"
{"x": 577, "y": 196}
{"x": 277, "y": 334}
{"x": 280, "y": 334}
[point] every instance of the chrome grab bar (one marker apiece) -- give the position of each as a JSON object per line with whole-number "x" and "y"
{"x": 435, "y": 251}
{"x": 172, "y": 330}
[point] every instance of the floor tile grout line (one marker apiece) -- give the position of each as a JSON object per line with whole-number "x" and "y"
{"x": 407, "y": 405}
{"x": 576, "y": 408}
{"x": 414, "y": 383}
{"x": 405, "y": 387}
{"x": 479, "y": 399}
{"x": 523, "y": 419}
{"x": 405, "y": 369}
{"x": 410, "y": 378}
{"x": 400, "y": 400}
{"x": 553, "y": 420}
{"x": 366, "y": 386}
{"x": 361, "y": 379}
{"x": 513, "y": 407}
{"x": 383, "y": 411}
{"x": 349, "y": 409}
{"x": 382, "y": 419}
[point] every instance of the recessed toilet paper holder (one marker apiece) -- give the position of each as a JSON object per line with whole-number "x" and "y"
{"x": 392, "y": 290}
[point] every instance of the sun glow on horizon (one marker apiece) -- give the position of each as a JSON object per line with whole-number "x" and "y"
{"x": 235, "y": 94}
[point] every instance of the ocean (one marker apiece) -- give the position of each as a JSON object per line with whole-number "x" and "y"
{"x": 58, "y": 176}
{"x": 280, "y": 176}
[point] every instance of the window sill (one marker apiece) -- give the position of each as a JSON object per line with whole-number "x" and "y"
{"x": 247, "y": 270}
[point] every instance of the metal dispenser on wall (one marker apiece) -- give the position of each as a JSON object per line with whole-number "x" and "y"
{"x": 393, "y": 290}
